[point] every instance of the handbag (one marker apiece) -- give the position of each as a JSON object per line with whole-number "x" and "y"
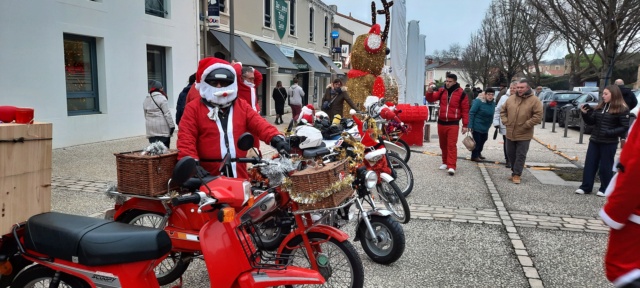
{"x": 469, "y": 142}
{"x": 326, "y": 105}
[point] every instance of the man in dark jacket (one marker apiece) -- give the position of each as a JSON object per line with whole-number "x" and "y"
{"x": 454, "y": 106}
{"x": 182, "y": 98}
{"x": 628, "y": 96}
{"x": 335, "y": 96}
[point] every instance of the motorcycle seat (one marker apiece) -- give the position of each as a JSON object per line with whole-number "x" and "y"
{"x": 315, "y": 152}
{"x": 194, "y": 183}
{"x": 93, "y": 241}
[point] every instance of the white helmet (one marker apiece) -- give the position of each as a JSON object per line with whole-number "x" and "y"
{"x": 313, "y": 137}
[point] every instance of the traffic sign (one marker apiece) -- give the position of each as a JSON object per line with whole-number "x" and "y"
{"x": 334, "y": 34}
{"x": 336, "y": 50}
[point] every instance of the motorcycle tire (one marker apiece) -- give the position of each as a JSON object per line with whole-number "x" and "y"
{"x": 402, "y": 174}
{"x": 271, "y": 240}
{"x": 180, "y": 260}
{"x": 298, "y": 257}
{"x": 404, "y": 145}
{"x": 391, "y": 239}
{"x": 40, "y": 274}
{"x": 395, "y": 202}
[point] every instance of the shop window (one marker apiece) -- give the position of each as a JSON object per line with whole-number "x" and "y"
{"x": 157, "y": 65}
{"x": 156, "y": 8}
{"x": 267, "y": 13}
{"x": 222, "y": 6}
{"x": 81, "y": 74}
{"x": 311, "y": 10}
{"x": 292, "y": 17}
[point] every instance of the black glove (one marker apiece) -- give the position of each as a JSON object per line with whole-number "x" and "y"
{"x": 171, "y": 131}
{"x": 280, "y": 144}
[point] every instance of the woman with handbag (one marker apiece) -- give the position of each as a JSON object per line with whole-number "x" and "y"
{"x": 333, "y": 100}
{"x": 480, "y": 120}
{"x": 158, "y": 119}
{"x": 611, "y": 120}
{"x": 279, "y": 96}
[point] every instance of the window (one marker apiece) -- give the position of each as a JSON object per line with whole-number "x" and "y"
{"x": 292, "y": 17}
{"x": 311, "y": 24}
{"x": 557, "y": 67}
{"x": 267, "y": 13}
{"x": 326, "y": 31}
{"x": 155, "y": 8}
{"x": 156, "y": 64}
{"x": 81, "y": 74}
{"x": 221, "y": 5}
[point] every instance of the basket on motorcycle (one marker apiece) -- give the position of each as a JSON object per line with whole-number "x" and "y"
{"x": 321, "y": 187}
{"x": 143, "y": 174}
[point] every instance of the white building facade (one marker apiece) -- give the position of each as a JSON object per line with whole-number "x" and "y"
{"x": 83, "y": 65}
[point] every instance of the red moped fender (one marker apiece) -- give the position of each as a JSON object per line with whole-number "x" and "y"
{"x": 324, "y": 229}
{"x": 270, "y": 278}
{"x": 139, "y": 204}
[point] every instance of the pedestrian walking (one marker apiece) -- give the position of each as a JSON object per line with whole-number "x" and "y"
{"x": 611, "y": 121}
{"x": 497, "y": 121}
{"x": 182, "y": 98}
{"x": 295, "y": 98}
{"x": 480, "y": 120}
{"x": 334, "y": 98}
{"x": 158, "y": 119}
{"x": 538, "y": 90}
{"x": 279, "y": 96}
{"x": 469, "y": 92}
{"x": 520, "y": 113}
{"x": 628, "y": 96}
{"x": 622, "y": 214}
{"x": 454, "y": 106}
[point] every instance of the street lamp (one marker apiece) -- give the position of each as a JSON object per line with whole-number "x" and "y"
{"x": 231, "y": 30}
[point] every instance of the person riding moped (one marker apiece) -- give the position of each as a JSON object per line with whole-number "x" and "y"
{"x": 210, "y": 128}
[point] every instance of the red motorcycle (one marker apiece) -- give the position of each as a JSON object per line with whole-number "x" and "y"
{"x": 79, "y": 251}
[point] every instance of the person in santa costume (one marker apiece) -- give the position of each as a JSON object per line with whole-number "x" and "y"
{"x": 210, "y": 128}
{"x": 622, "y": 214}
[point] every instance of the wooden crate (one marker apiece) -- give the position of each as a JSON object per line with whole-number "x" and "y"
{"x": 25, "y": 172}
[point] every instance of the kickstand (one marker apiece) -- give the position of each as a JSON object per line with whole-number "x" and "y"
{"x": 179, "y": 284}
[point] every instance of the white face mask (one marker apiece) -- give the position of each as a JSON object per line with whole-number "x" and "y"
{"x": 249, "y": 83}
{"x": 220, "y": 96}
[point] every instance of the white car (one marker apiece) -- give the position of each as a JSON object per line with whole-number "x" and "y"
{"x": 635, "y": 110}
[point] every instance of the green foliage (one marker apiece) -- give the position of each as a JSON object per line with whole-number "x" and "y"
{"x": 584, "y": 61}
{"x": 555, "y": 83}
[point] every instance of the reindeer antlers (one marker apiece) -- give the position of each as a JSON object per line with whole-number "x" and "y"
{"x": 386, "y": 5}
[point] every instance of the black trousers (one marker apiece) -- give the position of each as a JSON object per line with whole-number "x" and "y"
{"x": 600, "y": 157}
{"x": 480, "y": 139}
{"x": 504, "y": 149}
{"x": 165, "y": 140}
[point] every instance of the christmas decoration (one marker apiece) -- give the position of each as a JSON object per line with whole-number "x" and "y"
{"x": 316, "y": 196}
{"x": 155, "y": 149}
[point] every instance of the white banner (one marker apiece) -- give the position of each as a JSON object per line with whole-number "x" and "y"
{"x": 398, "y": 45}
{"x": 414, "y": 61}
{"x": 421, "y": 76}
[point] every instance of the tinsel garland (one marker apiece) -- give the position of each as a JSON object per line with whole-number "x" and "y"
{"x": 277, "y": 170}
{"x": 391, "y": 88}
{"x": 316, "y": 196}
{"x": 155, "y": 149}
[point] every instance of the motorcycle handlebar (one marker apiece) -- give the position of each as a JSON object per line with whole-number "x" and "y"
{"x": 193, "y": 199}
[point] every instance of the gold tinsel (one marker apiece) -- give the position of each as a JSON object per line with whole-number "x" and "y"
{"x": 391, "y": 88}
{"x": 316, "y": 196}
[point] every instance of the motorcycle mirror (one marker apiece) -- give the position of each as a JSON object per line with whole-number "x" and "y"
{"x": 184, "y": 169}
{"x": 246, "y": 141}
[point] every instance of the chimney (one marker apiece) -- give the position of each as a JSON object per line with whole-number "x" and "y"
{"x": 334, "y": 8}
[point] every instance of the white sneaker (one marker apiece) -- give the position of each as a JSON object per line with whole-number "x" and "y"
{"x": 579, "y": 191}
{"x": 452, "y": 171}
{"x": 443, "y": 167}
{"x": 601, "y": 194}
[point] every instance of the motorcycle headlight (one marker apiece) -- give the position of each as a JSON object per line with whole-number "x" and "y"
{"x": 370, "y": 179}
{"x": 247, "y": 191}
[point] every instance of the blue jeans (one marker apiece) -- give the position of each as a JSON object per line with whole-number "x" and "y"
{"x": 600, "y": 157}
{"x": 480, "y": 139}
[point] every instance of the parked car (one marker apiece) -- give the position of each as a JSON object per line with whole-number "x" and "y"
{"x": 572, "y": 110}
{"x": 590, "y": 89}
{"x": 544, "y": 95}
{"x": 636, "y": 110}
{"x": 558, "y": 99}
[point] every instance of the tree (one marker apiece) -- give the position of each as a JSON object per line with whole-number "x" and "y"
{"x": 477, "y": 60}
{"x": 606, "y": 28}
{"x": 540, "y": 39}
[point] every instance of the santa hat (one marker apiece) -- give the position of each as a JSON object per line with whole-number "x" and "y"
{"x": 222, "y": 96}
{"x": 307, "y": 113}
{"x": 373, "y": 42}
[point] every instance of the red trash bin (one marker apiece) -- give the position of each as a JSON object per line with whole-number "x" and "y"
{"x": 414, "y": 116}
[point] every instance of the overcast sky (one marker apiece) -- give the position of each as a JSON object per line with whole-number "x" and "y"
{"x": 444, "y": 22}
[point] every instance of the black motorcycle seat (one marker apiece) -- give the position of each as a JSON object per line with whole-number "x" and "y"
{"x": 93, "y": 241}
{"x": 194, "y": 183}
{"x": 315, "y": 152}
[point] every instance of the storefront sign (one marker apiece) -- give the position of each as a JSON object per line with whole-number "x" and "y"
{"x": 281, "y": 10}
{"x": 213, "y": 14}
{"x": 287, "y": 51}
{"x": 302, "y": 66}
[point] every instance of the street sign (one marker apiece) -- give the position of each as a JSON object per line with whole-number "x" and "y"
{"x": 334, "y": 34}
{"x": 281, "y": 10}
{"x": 336, "y": 50}
{"x": 338, "y": 64}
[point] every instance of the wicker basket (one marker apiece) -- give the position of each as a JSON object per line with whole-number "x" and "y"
{"x": 145, "y": 175}
{"x": 318, "y": 179}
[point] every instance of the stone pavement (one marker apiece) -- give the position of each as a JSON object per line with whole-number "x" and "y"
{"x": 475, "y": 229}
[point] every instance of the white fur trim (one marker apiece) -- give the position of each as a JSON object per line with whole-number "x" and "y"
{"x": 609, "y": 221}
{"x": 375, "y": 153}
{"x": 627, "y": 278}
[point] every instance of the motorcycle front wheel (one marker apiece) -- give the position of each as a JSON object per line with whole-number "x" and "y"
{"x": 41, "y": 276}
{"x": 390, "y": 243}
{"x": 271, "y": 235}
{"x": 344, "y": 267}
{"x": 172, "y": 267}
{"x": 404, "y": 145}
{"x": 395, "y": 202}
{"x": 402, "y": 174}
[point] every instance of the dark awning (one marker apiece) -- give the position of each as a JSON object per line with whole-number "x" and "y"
{"x": 284, "y": 65}
{"x": 242, "y": 53}
{"x": 314, "y": 64}
{"x": 333, "y": 66}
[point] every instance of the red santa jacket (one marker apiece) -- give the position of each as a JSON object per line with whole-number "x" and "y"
{"x": 623, "y": 193}
{"x": 244, "y": 91}
{"x": 193, "y": 94}
{"x": 200, "y": 137}
{"x": 453, "y": 108}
